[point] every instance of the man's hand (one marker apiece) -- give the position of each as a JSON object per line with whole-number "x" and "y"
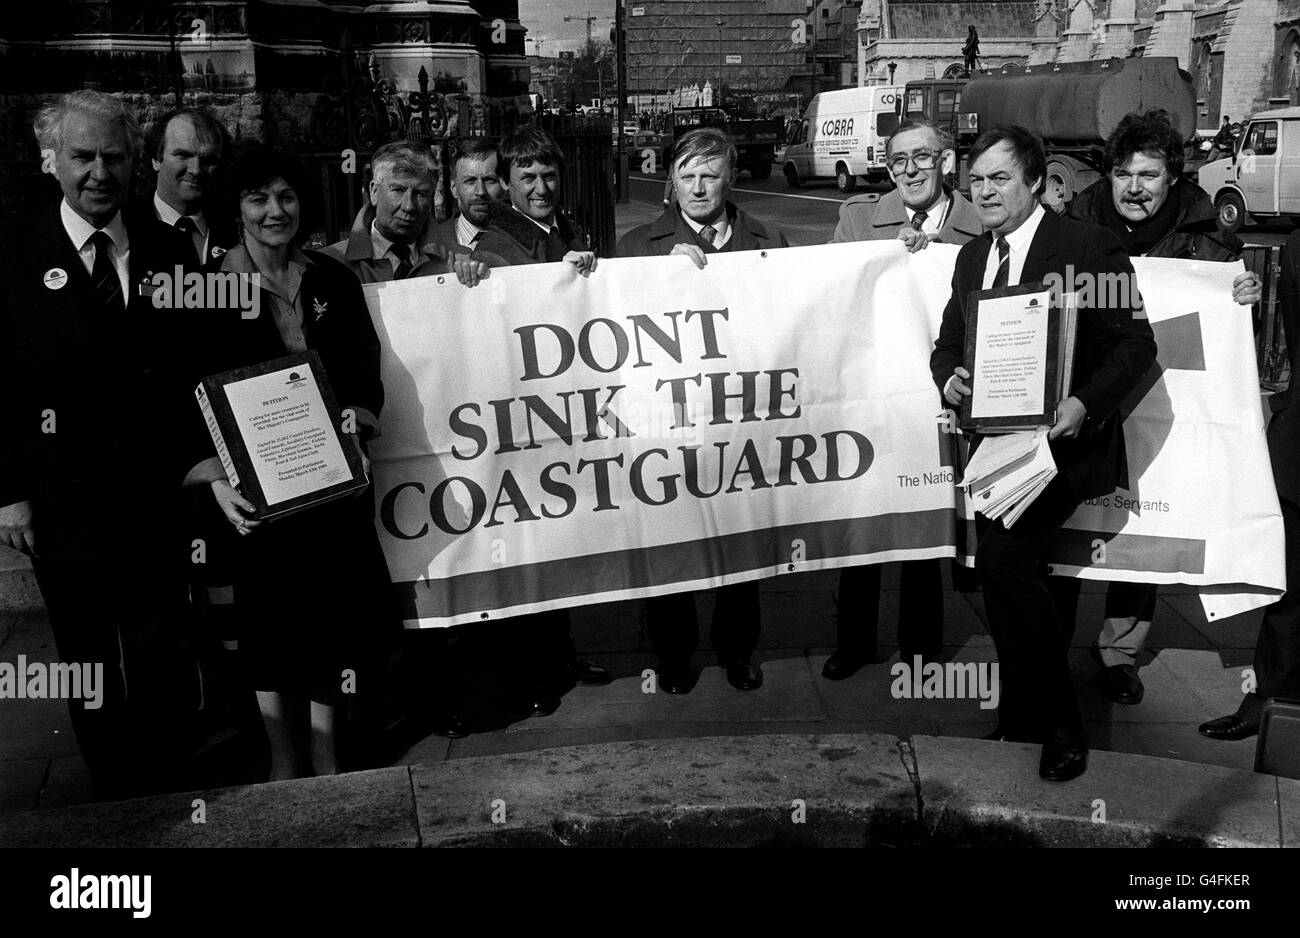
{"x": 1247, "y": 288}
{"x": 956, "y": 388}
{"x": 913, "y": 240}
{"x": 234, "y": 506}
{"x": 1069, "y": 419}
{"x": 16, "y": 527}
{"x": 468, "y": 271}
{"x": 585, "y": 261}
{"x": 693, "y": 251}
{"x": 356, "y": 444}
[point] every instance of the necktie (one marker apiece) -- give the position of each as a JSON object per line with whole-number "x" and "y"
{"x": 708, "y": 233}
{"x": 188, "y": 225}
{"x": 918, "y": 219}
{"x": 103, "y": 275}
{"x": 403, "y": 269}
{"x": 1004, "y": 263}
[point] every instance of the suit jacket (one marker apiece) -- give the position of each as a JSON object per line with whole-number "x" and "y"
{"x": 87, "y": 401}
{"x": 223, "y": 233}
{"x": 511, "y": 238}
{"x": 873, "y": 217}
{"x": 668, "y": 230}
{"x": 356, "y": 252}
{"x": 1113, "y": 350}
{"x": 1284, "y": 428}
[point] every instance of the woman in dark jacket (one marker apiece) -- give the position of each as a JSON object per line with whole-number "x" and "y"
{"x": 311, "y": 589}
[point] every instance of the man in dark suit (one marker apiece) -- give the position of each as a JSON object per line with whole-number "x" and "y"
{"x": 702, "y": 220}
{"x": 188, "y": 148}
{"x": 95, "y": 380}
{"x": 1277, "y": 650}
{"x": 531, "y": 229}
{"x": 1030, "y": 615}
{"x": 476, "y": 187}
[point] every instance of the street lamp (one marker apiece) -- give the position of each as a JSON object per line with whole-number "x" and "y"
{"x": 719, "y": 95}
{"x": 891, "y": 66}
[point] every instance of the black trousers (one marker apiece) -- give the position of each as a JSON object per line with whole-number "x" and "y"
{"x": 920, "y": 610}
{"x": 674, "y": 632}
{"x": 1031, "y": 617}
{"x": 539, "y": 650}
{"x": 1277, "y": 651}
{"x": 135, "y": 741}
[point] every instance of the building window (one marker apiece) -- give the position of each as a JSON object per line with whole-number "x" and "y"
{"x": 1287, "y": 82}
{"x": 1203, "y": 73}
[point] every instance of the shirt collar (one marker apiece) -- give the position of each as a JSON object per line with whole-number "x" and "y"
{"x": 466, "y": 230}
{"x": 722, "y": 226}
{"x": 553, "y": 226}
{"x": 79, "y": 230}
{"x": 170, "y": 216}
{"x": 937, "y": 212}
{"x": 379, "y": 245}
{"x": 1019, "y": 239}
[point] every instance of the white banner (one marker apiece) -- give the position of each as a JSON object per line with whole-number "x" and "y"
{"x": 551, "y": 440}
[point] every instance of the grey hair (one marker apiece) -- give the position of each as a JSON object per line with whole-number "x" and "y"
{"x": 921, "y": 123}
{"x": 48, "y": 126}
{"x": 705, "y": 143}
{"x": 403, "y": 156}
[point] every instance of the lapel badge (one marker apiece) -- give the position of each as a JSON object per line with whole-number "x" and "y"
{"x": 56, "y": 278}
{"x": 318, "y": 307}
{"x": 216, "y": 251}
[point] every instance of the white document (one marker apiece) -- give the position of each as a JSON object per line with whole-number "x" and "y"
{"x": 287, "y": 430}
{"x": 1011, "y": 356}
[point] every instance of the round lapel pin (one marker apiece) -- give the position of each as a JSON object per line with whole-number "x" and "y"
{"x": 56, "y": 278}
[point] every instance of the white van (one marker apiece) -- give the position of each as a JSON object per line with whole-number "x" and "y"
{"x": 1263, "y": 177}
{"x": 843, "y": 135}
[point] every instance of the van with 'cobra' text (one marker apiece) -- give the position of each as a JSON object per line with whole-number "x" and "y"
{"x": 842, "y": 136}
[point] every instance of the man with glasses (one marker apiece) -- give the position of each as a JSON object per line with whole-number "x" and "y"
{"x": 1031, "y": 614}
{"x": 918, "y": 154}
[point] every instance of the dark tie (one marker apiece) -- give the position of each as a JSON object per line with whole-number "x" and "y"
{"x": 403, "y": 269}
{"x": 708, "y": 233}
{"x": 187, "y": 225}
{"x": 918, "y": 219}
{"x": 1004, "y": 263}
{"x": 103, "y": 275}
{"x": 555, "y": 245}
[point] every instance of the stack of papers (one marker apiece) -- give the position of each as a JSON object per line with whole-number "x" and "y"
{"x": 1007, "y": 472}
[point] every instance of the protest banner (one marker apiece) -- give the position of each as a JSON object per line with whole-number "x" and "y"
{"x": 552, "y": 440}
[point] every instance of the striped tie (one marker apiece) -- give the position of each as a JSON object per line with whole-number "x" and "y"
{"x": 1004, "y": 263}
{"x": 103, "y": 275}
{"x": 918, "y": 219}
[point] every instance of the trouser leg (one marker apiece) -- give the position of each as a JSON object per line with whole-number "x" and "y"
{"x": 673, "y": 628}
{"x": 736, "y": 622}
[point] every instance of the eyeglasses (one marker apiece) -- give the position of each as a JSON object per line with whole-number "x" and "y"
{"x": 924, "y": 159}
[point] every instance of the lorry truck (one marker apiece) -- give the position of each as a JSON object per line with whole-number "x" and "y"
{"x": 1073, "y": 107}
{"x": 755, "y": 138}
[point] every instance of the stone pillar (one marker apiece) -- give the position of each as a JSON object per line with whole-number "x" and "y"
{"x": 1047, "y": 34}
{"x": 1246, "y": 41}
{"x": 1117, "y": 30}
{"x": 1171, "y": 32}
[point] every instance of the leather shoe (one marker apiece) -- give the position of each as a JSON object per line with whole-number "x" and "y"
{"x": 676, "y": 680}
{"x": 450, "y": 725}
{"x": 584, "y": 672}
{"x": 1062, "y": 763}
{"x": 1231, "y": 727}
{"x": 743, "y": 675}
{"x": 1122, "y": 684}
{"x": 544, "y": 704}
{"x": 839, "y": 666}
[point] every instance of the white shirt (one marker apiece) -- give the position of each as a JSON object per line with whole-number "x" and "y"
{"x": 379, "y": 246}
{"x": 466, "y": 231}
{"x": 79, "y": 232}
{"x": 547, "y": 226}
{"x": 721, "y": 226}
{"x": 1019, "y": 241}
{"x": 935, "y": 215}
{"x": 170, "y": 216}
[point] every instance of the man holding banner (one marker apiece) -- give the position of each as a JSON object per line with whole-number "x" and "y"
{"x": 703, "y": 221}
{"x": 1030, "y": 615}
{"x": 533, "y": 230}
